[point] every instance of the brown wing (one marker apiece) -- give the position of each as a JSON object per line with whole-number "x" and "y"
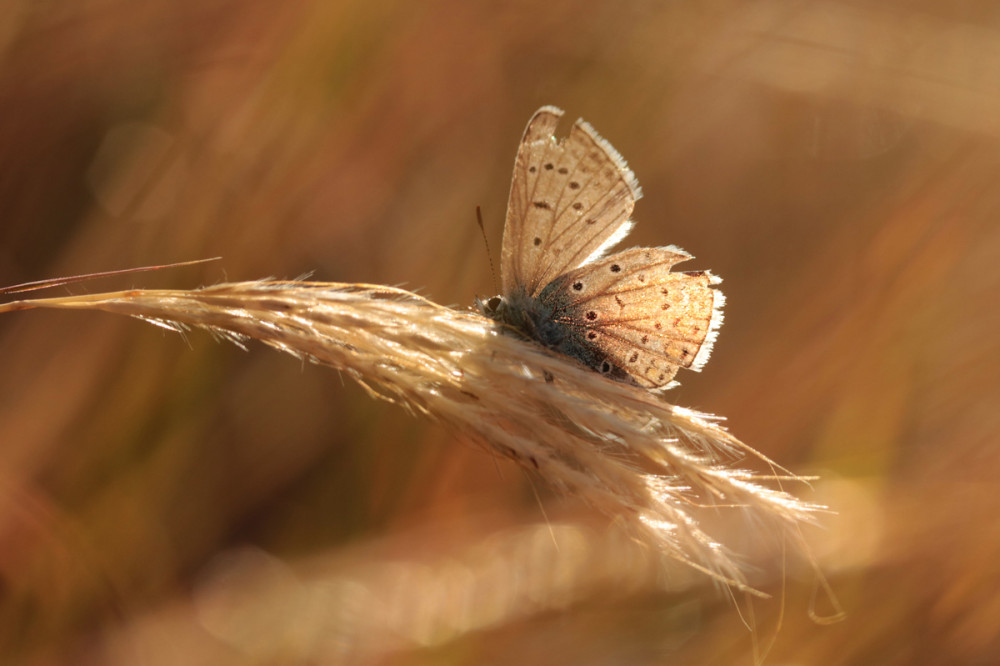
{"x": 629, "y": 313}
{"x": 569, "y": 199}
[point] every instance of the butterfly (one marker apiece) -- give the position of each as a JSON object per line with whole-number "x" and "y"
{"x": 626, "y": 315}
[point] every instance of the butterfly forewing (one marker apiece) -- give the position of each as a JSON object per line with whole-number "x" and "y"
{"x": 569, "y": 199}
{"x": 628, "y": 315}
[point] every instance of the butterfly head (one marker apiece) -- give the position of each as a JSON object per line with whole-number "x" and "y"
{"x": 490, "y": 307}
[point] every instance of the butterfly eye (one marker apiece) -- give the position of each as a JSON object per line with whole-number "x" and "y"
{"x": 577, "y": 286}
{"x": 615, "y": 268}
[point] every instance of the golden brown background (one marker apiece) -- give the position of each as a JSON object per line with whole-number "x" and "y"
{"x": 838, "y": 164}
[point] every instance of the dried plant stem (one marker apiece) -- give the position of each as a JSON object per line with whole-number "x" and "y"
{"x": 626, "y": 451}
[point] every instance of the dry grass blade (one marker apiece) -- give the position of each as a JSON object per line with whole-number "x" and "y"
{"x": 651, "y": 465}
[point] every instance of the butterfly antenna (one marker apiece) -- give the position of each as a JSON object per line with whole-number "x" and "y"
{"x": 482, "y": 228}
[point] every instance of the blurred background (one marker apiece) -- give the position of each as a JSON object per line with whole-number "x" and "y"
{"x": 169, "y": 499}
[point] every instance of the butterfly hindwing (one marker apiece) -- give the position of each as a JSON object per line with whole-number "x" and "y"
{"x": 630, "y": 316}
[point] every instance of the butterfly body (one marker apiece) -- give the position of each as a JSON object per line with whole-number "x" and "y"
{"x": 627, "y": 315}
